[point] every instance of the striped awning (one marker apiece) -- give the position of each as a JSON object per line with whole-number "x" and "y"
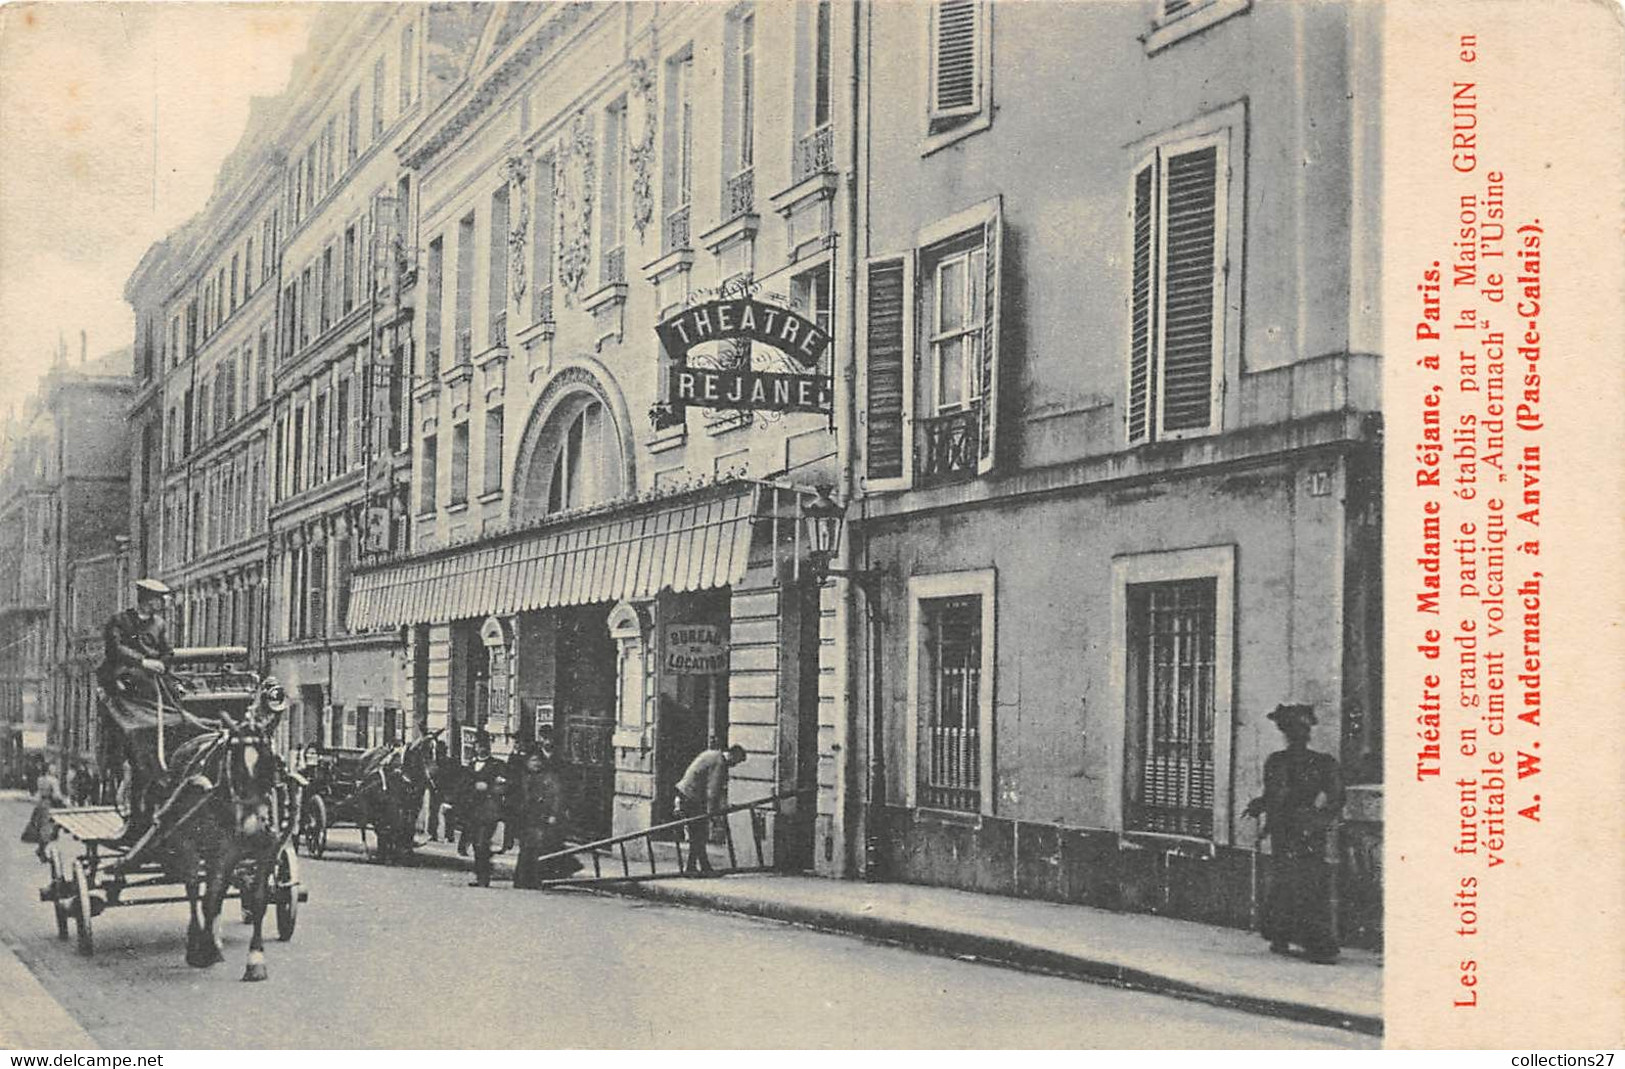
{"x": 700, "y": 545}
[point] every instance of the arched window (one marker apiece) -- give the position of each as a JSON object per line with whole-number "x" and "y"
{"x": 577, "y": 461}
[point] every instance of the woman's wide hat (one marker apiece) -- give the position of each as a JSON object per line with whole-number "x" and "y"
{"x": 1287, "y": 712}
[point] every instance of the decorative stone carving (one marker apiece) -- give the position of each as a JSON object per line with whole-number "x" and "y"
{"x": 516, "y": 171}
{"x": 578, "y": 172}
{"x": 641, "y": 152}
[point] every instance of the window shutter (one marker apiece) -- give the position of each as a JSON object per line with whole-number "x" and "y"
{"x": 887, "y": 374}
{"x": 1190, "y": 244}
{"x": 988, "y": 413}
{"x": 1141, "y": 381}
{"x": 957, "y": 87}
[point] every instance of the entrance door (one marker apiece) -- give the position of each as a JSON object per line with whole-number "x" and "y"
{"x": 585, "y": 716}
{"x": 693, "y": 713}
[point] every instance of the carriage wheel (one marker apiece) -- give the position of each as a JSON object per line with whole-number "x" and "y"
{"x": 286, "y": 893}
{"x": 314, "y": 831}
{"x": 82, "y": 910}
{"x": 61, "y": 907}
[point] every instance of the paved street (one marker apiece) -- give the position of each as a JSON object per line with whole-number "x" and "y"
{"x": 397, "y": 957}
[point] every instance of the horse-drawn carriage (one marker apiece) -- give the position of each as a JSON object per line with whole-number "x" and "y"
{"x": 380, "y": 789}
{"x": 207, "y": 805}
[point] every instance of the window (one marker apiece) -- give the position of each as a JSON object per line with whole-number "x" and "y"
{"x": 298, "y": 449}
{"x": 678, "y": 181}
{"x": 318, "y": 441}
{"x": 436, "y": 270}
{"x": 1172, "y": 671}
{"x": 427, "y": 474}
{"x": 493, "y": 450}
{"x": 348, "y": 286}
{"x": 232, "y": 304}
{"x": 959, "y": 67}
{"x": 378, "y": 98}
{"x": 541, "y": 309}
{"x": 409, "y": 62}
{"x": 459, "y": 464}
{"x": 1171, "y": 637}
{"x": 248, "y": 269}
{"x": 1177, "y": 333}
{"x": 462, "y": 328}
{"x": 341, "y": 428}
{"x": 336, "y": 730}
{"x": 957, "y": 312}
{"x": 810, "y": 296}
{"x": 330, "y": 146}
{"x": 496, "y": 320}
{"x": 950, "y": 686}
{"x": 956, "y": 327}
{"x": 317, "y": 590}
{"x": 327, "y": 287}
{"x": 341, "y": 582}
{"x": 262, "y": 374}
{"x": 363, "y": 726}
{"x": 612, "y": 254}
{"x": 353, "y": 149}
{"x": 821, "y": 54}
{"x": 739, "y": 117}
{"x": 1176, "y": 19}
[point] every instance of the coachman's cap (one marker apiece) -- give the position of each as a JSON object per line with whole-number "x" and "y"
{"x": 1286, "y": 712}
{"x": 152, "y": 587}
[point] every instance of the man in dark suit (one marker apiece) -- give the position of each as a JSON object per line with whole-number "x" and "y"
{"x": 1303, "y": 795}
{"x": 483, "y": 803}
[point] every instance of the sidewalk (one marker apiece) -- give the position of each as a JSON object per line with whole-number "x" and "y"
{"x": 30, "y": 1019}
{"x": 1222, "y": 966}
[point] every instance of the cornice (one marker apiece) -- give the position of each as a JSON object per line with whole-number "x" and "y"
{"x": 480, "y": 90}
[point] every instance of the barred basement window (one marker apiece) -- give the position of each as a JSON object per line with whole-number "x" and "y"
{"x": 951, "y": 774}
{"x": 1171, "y": 707}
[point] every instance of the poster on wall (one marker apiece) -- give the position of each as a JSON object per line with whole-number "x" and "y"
{"x": 696, "y": 650}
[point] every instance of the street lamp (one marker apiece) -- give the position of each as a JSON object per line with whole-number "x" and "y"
{"x": 823, "y": 518}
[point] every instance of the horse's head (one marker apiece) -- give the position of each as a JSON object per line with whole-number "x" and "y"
{"x": 251, "y": 761}
{"x": 422, "y": 761}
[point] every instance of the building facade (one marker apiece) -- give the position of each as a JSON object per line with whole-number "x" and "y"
{"x": 586, "y": 556}
{"x": 63, "y": 502}
{"x": 1118, "y": 442}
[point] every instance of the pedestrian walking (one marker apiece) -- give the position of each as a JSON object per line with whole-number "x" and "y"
{"x": 487, "y": 787}
{"x": 41, "y": 830}
{"x": 542, "y": 818}
{"x": 1303, "y": 795}
{"x": 701, "y": 791}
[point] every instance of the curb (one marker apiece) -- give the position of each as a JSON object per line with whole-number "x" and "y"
{"x": 1008, "y": 953}
{"x": 30, "y": 1016}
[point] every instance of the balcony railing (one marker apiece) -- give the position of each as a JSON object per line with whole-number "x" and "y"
{"x": 543, "y": 306}
{"x": 739, "y": 194}
{"x": 614, "y": 265}
{"x": 815, "y": 153}
{"x": 948, "y": 445}
{"x": 465, "y": 345}
{"x": 676, "y": 236}
{"x": 499, "y": 327}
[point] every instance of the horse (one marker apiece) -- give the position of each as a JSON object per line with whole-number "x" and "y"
{"x": 226, "y": 827}
{"x": 394, "y": 778}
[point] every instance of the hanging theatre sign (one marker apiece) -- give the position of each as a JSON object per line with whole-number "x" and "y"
{"x": 741, "y": 386}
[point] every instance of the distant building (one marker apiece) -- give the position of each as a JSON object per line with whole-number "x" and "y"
{"x": 63, "y": 500}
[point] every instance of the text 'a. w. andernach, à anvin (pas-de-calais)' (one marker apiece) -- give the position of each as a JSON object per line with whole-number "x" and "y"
{"x": 1476, "y": 597}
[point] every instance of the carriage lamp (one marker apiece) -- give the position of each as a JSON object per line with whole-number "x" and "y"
{"x": 823, "y": 519}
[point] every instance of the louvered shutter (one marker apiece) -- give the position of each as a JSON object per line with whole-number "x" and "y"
{"x": 1190, "y": 268}
{"x": 888, "y": 378}
{"x": 988, "y": 413}
{"x": 957, "y": 79}
{"x": 1143, "y": 328}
